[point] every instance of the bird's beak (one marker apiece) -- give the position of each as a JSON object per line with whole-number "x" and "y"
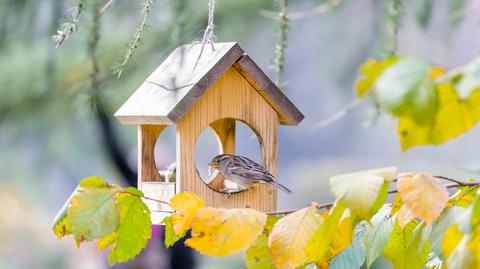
{"x": 211, "y": 166}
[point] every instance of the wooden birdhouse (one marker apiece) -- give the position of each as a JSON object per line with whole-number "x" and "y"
{"x": 207, "y": 86}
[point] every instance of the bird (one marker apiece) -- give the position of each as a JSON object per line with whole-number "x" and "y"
{"x": 170, "y": 174}
{"x": 243, "y": 171}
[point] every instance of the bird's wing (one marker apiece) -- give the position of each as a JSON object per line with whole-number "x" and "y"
{"x": 246, "y": 168}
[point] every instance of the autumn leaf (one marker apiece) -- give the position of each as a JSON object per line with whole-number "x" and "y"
{"x": 465, "y": 79}
{"x": 404, "y": 249}
{"x": 454, "y": 117}
{"x": 377, "y": 235}
{"x": 320, "y": 242}
{"x": 257, "y": 255}
{"x": 186, "y": 205}
{"x": 352, "y": 256}
{"x": 452, "y": 237}
{"x": 135, "y": 227}
{"x": 92, "y": 212}
{"x": 170, "y": 236}
{"x": 463, "y": 256}
{"x": 404, "y": 216}
{"x": 290, "y": 236}
{"x": 463, "y": 197}
{"x": 361, "y": 191}
{"x": 221, "y": 232}
{"x": 423, "y": 194}
{"x": 407, "y": 89}
{"x": 370, "y": 71}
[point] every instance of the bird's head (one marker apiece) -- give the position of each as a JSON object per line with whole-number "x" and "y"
{"x": 218, "y": 161}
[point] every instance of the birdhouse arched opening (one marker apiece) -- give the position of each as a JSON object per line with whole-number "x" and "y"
{"x": 229, "y": 136}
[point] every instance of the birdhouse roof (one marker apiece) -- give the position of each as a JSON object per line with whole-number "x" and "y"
{"x": 174, "y": 87}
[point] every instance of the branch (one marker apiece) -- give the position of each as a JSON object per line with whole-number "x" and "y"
{"x": 320, "y": 9}
{"x": 338, "y": 115}
{"x": 67, "y": 28}
{"x": 328, "y": 205}
{"x": 105, "y": 7}
{"x": 146, "y": 7}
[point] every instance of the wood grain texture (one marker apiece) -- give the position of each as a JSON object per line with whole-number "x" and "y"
{"x": 224, "y": 130}
{"x": 175, "y": 86}
{"x": 147, "y": 137}
{"x": 231, "y": 96}
{"x": 167, "y": 94}
{"x": 288, "y": 113}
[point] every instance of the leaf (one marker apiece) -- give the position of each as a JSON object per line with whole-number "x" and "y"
{"x": 452, "y": 237}
{"x": 135, "y": 227}
{"x": 221, "y": 232}
{"x": 463, "y": 197}
{"x": 360, "y": 191}
{"x": 403, "y": 250}
{"x": 465, "y": 79}
{"x": 404, "y": 216}
{"x": 257, "y": 255}
{"x": 106, "y": 241}
{"x": 186, "y": 205}
{"x": 453, "y": 118}
{"x": 440, "y": 227}
{"x": 352, "y": 257}
{"x": 319, "y": 243}
{"x": 463, "y": 256}
{"x": 370, "y": 71}
{"x": 376, "y": 236}
{"x": 170, "y": 236}
{"x": 407, "y": 89}
{"x": 423, "y": 194}
{"x": 290, "y": 235}
{"x": 92, "y": 212}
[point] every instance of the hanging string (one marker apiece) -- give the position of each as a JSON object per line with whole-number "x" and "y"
{"x": 209, "y": 32}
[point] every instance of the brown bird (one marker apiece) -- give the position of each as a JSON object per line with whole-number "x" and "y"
{"x": 243, "y": 171}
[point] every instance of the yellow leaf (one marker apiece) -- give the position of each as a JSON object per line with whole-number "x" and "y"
{"x": 257, "y": 256}
{"x": 423, "y": 194}
{"x": 290, "y": 236}
{"x": 370, "y": 70}
{"x": 437, "y": 71}
{"x": 185, "y": 205}
{"x": 404, "y": 216}
{"x": 451, "y": 239}
{"x": 463, "y": 197}
{"x": 454, "y": 117}
{"x": 359, "y": 191}
{"x": 463, "y": 256}
{"x": 221, "y": 232}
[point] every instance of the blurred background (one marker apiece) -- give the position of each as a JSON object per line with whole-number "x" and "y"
{"x": 55, "y": 130}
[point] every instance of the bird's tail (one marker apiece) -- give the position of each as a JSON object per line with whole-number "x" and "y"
{"x": 281, "y": 187}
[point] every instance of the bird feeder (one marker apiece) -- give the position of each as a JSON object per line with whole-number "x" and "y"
{"x": 200, "y": 86}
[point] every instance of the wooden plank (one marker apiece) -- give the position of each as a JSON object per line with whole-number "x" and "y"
{"x": 231, "y": 96}
{"x": 224, "y": 129}
{"x": 165, "y": 96}
{"x": 287, "y": 111}
{"x": 147, "y": 137}
{"x": 176, "y": 85}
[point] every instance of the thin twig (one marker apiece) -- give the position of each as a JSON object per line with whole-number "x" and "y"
{"x": 339, "y": 114}
{"x": 67, "y": 28}
{"x": 105, "y": 7}
{"x": 328, "y": 205}
{"x": 320, "y": 9}
{"x": 145, "y": 197}
{"x": 146, "y": 7}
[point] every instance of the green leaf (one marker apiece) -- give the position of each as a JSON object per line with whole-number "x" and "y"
{"x": 466, "y": 79}
{"x": 257, "y": 255}
{"x": 92, "y": 213}
{"x": 363, "y": 192}
{"x": 93, "y": 182}
{"x": 370, "y": 71}
{"x": 353, "y": 256}
{"x": 377, "y": 236}
{"x": 134, "y": 230}
{"x": 403, "y": 250}
{"x": 454, "y": 117}
{"x": 320, "y": 242}
{"x": 170, "y": 236}
{"x": 407, "y": 89}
